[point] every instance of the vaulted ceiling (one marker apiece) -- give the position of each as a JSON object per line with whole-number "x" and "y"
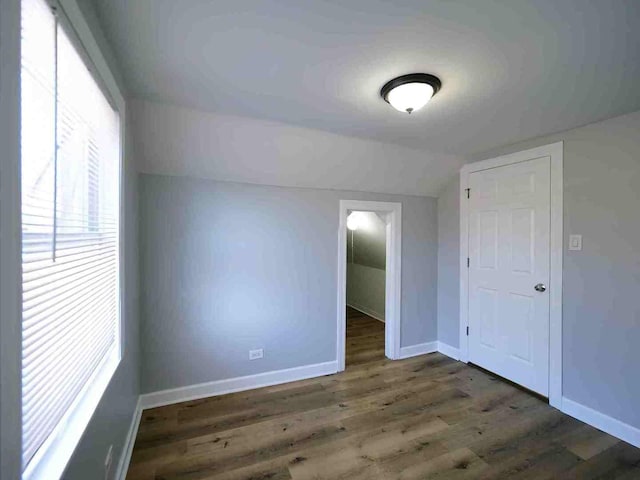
{"x": 511, "y": 69}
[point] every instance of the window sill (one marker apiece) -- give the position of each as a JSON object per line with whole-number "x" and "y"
{"x": 50, "y": 461}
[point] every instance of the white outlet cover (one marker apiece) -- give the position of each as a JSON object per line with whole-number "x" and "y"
{"x": 256, "y": 354}
{"x": 575, "y": 242}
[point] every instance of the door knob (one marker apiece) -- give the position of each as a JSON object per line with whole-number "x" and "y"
{"x": 541, "y": 287}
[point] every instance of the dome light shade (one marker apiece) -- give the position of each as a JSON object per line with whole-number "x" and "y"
{"x": 353, "y": 222}
{"x": 410, "y": 97}
{"x": 410, "y": 93}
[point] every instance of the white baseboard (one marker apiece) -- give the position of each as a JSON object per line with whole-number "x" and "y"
{"x": 238, "y": 384}
{"x": 127, "y": 449}
{"x": 603, "y": 422}
{"x": 448, "y": 350}
{"x": 220, "y": 387}
{"x": 419, "y": 349}
{"x": 366, "y": 311}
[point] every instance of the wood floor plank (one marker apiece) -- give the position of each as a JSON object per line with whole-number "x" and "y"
{"x": 587, "y": 442}
{"x": 426, "y": 417}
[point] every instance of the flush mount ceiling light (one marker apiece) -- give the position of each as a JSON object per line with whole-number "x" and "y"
{"x": 353, "y": 221}
{"x": 410, "y": 93}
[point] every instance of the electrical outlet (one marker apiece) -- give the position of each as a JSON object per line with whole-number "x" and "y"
{"x": 575, "y": 242}
{"x": 256, "y": 354}
{"x": 108, "y": 460}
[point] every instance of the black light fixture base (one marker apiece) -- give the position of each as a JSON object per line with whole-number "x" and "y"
{"x": 411, "y": 78}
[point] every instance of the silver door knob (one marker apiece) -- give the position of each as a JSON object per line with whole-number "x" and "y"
{"x": 541, "y": 287}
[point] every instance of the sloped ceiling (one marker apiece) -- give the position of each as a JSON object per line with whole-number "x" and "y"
{"x": 177, "y": 141}
{"x": 511, "y": 70}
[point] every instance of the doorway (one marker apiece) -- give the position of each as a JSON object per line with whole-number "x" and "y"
{"x": 384, "y": 219}
{"x": 511, "y": 267}
{"x": 366, "y": 269}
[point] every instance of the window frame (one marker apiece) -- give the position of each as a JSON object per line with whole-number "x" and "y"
{"x": 51, "y": 460}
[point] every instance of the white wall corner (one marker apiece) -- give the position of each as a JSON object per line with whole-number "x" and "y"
{"x": 237, "y": 384}
{"x": 419, "y": 349}
{"x": 601, "y": 421}
{"x": 127, "y": 449}
{"x": 448, "y": 350}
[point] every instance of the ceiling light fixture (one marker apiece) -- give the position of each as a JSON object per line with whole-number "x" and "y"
{"x": 410, "y": 93}
{"x": 353, "y": 221}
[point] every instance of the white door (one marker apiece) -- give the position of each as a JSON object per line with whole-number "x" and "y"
{"x": 509, "y": 215}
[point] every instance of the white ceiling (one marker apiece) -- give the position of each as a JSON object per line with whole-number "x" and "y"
{"x": 511, "y": 69}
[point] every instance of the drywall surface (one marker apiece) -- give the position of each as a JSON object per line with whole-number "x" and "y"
{"x": 366, "y": 289}
{"x": 368, "y": 242}
{"x": 229, "y": 267}
{"x": 449, "y": 264}
{"x": 179, "y": 141}
{"x": 601, "y": 312}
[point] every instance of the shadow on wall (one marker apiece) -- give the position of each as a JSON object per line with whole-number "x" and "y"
{"x": 366, "y": 260}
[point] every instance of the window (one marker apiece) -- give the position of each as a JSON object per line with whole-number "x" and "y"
{"x": 70, "y": 168}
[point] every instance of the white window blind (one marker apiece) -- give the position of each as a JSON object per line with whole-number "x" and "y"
{"x": 70, "y": 240}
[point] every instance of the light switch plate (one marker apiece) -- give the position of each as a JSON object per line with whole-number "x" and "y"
{"x": 575, "y": 242}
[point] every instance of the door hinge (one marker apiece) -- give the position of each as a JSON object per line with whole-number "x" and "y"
{"x": 467, "y": 331}
{"x": 468, "y": 262}
{"x": 468, "y": 190}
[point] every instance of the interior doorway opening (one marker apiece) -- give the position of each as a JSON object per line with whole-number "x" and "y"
{"x": 369, "y": 273}
{"x": 366, "y": 282}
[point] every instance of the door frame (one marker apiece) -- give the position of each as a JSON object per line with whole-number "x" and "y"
{"x": 393, "y": 275}
{"x": 555, "y": 152}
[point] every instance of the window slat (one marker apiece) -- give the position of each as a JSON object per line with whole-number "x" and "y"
{"x": 36, "y": 271}
{"x": 42, "y": 309}
{"x": 63, "y": 252}
{"x": 44, "y": 423}
{"x": 54, "y": 353}
{"x": 61, "y": 357}
{"x": 64, "y": 269}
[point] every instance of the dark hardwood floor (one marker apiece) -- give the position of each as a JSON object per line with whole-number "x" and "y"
{"x": 365, "y": 339}
{"x": 426, "y": 417}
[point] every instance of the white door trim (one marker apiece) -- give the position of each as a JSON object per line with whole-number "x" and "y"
{"x": 554, "y": 151}
{"x": 392, "y": 278}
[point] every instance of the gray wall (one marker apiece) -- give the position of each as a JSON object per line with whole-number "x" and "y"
{"x": 601, "y": 311}
{"x": 366, "y": 289}
{"x": 228, "y": 267}
{"x": 449, "y": 264}
{"x": 369, "y": 242}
